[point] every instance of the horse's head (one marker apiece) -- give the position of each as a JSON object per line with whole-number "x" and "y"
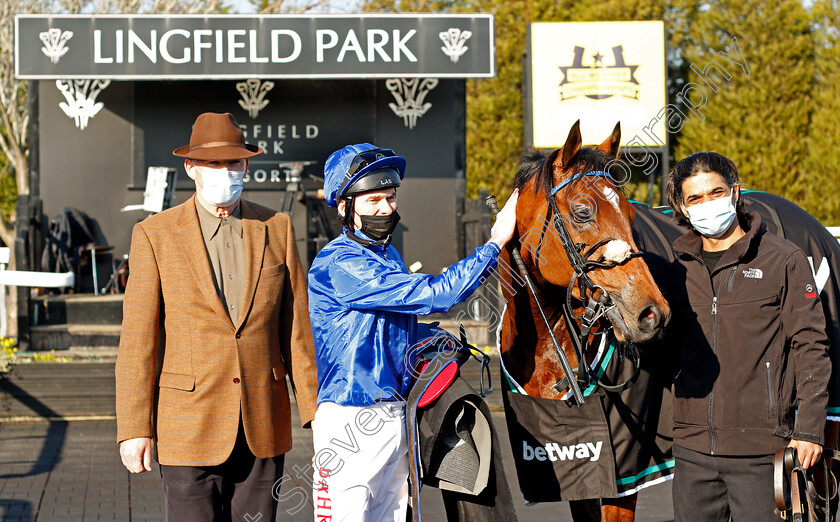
{"x": 590, "y": 206}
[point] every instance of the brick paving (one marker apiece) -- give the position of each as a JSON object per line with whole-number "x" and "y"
{"x": 71, "y": 471}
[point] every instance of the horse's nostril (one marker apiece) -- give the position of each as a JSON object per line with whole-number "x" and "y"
{"x": 650, "y": 318}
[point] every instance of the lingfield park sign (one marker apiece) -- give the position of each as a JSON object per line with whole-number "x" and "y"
{"x": 147, "y": 47}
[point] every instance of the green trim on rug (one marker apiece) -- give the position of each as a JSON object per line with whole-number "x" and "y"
{"x": 602, "y": 368}
{"x": 668, "y": 464}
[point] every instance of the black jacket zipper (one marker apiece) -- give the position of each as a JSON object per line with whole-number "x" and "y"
{"x": 714, "y": 351}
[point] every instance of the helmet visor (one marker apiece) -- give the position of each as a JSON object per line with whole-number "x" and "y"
{"x": 361, "y": 161}
{"x": 375, "y": 180}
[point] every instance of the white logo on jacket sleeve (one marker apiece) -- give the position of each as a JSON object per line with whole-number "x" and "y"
{"x": 553, "y": 451}
{"x": 822, "y": 273}
{"x": 753, "y": 273}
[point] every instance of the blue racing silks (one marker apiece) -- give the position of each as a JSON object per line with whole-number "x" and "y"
{"x": 363, "y": 305}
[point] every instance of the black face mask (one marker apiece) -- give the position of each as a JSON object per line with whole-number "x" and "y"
{"x": 379, "y": 227}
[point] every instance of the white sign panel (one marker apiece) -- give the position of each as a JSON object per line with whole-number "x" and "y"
{"x": 599, "y": 73}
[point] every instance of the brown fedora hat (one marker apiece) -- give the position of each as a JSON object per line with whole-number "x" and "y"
{"x": 217, "y": 137}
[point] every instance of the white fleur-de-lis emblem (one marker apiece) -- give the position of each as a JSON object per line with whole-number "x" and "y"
{"x": 55, "y": 41}
{"x": 453, "y": 43}
{"x": 81, "y": 99}
{"x": 409, "y": 94}
{"x": 253, "y": 95}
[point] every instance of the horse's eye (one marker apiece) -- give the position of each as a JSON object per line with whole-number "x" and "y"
{"x": 582, "y": 213}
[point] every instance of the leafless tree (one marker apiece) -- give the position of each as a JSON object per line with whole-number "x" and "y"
{"x": 14, "y": 120}
{"x": 290, "y": 6}
{"x": 14, "y": 115}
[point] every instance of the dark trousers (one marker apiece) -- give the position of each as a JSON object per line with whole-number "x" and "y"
{"x": 709, "y": 488}
{"x": 239, "y": 489}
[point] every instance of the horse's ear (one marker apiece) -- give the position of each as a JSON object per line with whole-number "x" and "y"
{"x": 611, "y": 145}
{"x": 572, "y": 145}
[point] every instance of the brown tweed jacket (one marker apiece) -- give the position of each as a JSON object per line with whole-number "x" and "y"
{"x": 184, "y": 370}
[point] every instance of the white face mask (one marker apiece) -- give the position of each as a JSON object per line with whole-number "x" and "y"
{"x": 712, "y": 218}
{"x": 220, "y": 187}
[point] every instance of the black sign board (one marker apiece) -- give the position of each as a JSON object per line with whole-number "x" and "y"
{"x": 144, "y": 47}
{"x": 102, "y": 167}
{"x": 301, "y": 123}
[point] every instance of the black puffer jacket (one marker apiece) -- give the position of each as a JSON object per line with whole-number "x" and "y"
{"x": 753, "y": 346}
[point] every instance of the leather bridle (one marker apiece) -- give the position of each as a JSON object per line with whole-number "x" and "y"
{"x": 597, "y": 301}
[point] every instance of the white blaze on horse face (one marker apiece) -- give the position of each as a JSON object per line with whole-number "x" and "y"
{"x": 617, "y": 251}
{"x": 611, "y": 196}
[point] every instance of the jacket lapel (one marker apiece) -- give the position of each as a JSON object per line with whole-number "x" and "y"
{"x": 195, "y": 255}
{"x": 253, "y": 231}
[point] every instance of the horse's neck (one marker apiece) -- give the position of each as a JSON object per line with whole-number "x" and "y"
{"x": 550, "y": 298}
{"x": 527, "y": 350}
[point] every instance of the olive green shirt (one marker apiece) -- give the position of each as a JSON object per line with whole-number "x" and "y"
{"x": 226, "y": 252}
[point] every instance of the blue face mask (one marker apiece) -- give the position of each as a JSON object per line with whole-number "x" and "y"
{"x": 220, "y": 187}
{"x": 712, "y": 218}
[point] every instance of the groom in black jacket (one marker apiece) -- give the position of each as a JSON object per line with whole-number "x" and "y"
{"x": 754, "y": 366}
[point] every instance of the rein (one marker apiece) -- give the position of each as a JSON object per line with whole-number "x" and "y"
{"x": 597, "y": 301}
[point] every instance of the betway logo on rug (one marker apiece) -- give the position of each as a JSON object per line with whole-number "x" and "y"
{"x": 553, "y": 451}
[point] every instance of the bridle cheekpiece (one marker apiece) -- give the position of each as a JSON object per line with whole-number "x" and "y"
{"x": 596, "y": 300}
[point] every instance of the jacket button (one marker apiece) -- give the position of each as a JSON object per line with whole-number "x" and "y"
{"x": 238, "y": 335}
{"x": 236, "y": 380}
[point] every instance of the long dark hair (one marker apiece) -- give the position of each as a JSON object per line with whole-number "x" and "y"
{"x": 695, "y": 164}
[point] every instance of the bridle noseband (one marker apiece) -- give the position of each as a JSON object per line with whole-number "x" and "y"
{"x": 596, "y": 300}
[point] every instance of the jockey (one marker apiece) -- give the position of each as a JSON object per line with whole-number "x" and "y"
{"x": 363, "y": 305}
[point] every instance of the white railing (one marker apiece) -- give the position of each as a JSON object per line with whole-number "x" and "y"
{"x": 26, "y": 278}
{"x": 835, "y": 231}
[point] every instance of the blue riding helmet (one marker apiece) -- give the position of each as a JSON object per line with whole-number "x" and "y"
{"x": 347, "y": 166}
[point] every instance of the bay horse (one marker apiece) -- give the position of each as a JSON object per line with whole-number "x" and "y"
{"x": 594, "y": 270}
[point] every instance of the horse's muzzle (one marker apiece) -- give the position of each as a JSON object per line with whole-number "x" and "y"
{"x": 650, "y": 320}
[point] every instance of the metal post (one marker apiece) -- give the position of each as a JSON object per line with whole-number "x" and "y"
{"x": 35, "y": 237}
{"x": 95, "y": 276}
{"x": 527, "y": 99}
{"x": 22, "y": 296}
{"x": 663, "y": 197}
{"x": 460, "y": 113}
{"x": 28, "y": 216}
{"x": 651, "y": 182}
{"x": 4, "y": 325}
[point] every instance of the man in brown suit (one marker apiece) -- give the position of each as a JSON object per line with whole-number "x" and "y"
{"x": 215, "y": 317}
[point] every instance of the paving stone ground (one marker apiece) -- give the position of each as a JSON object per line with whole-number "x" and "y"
{"x": 71, "y": 471}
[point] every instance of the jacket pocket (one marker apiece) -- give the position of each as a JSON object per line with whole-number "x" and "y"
{"x": 771, "y": 402}
{"x": 730, "y": 286}
{"x": 177, "y": 381}
{"x": 272, "y": 271}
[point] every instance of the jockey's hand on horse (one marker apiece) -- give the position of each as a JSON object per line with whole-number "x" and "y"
{"x": 505, "y": 222}
{"x": 809, "y": 453}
